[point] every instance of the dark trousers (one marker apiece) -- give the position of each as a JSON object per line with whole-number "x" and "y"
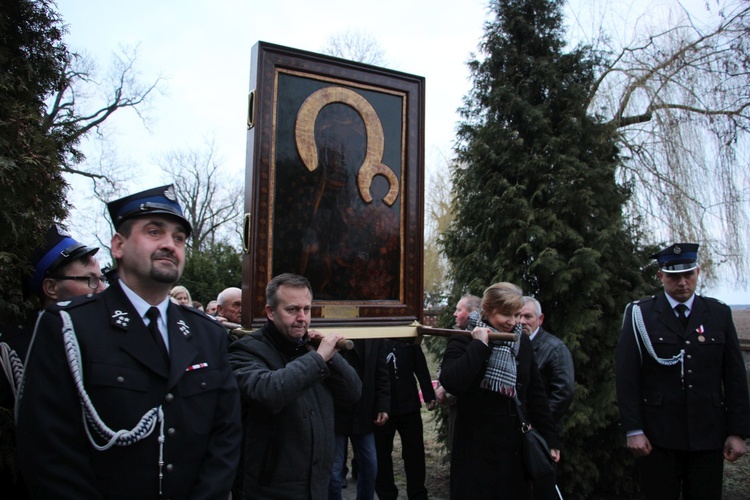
{"x": 664, "y": 474}
{"x": 409, "y": 428}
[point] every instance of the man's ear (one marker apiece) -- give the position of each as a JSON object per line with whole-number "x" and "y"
{"x": 116, "y": 245}
{"x": 49, "y": 288}
{"x": 541, "y": 319}
{"x": 269, "y": 312}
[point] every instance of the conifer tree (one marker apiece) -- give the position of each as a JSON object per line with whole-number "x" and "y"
{"x": 537, "y": 204}
{"x": 32, "y": 61}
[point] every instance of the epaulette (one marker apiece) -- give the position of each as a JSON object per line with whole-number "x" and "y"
{"x": 643, "y": 300}
{"x": 714, "y": 300}
{"x": 71, "y": 303}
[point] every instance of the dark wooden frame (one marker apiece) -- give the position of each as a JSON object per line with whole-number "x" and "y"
{"x": 270, "y": 63}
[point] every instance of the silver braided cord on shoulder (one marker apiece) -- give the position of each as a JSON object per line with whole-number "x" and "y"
{"x": 639, "y": 329}
{"x": 91, "y": 418}
{"x": 12, "y": 367}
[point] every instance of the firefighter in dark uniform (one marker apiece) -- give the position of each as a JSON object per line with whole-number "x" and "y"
{"x": 126, "y": 394}
{"x": 62, "y": 268}
{"x": 681, "y": 384}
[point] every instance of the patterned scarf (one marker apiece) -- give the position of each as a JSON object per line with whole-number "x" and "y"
{"x": 500, "y": 375}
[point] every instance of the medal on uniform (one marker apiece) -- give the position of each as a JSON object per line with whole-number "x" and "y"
{"x": 701, "y": 338}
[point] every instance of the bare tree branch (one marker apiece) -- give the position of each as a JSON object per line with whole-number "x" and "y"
{"x": 680, "y": 98}
{"x": 355, "y": 46}
{"x": 211, "y": 200}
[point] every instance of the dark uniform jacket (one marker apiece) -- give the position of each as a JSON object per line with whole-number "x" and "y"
{"x": 556, "y": 368}
{"x": 16, "y": 337}
{"x": 692, "y": 407}
{"x": 125, "y": 376}
{"x": 288, "y": 394}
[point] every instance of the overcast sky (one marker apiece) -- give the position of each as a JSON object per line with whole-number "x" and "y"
{"x": 202, "y": 50}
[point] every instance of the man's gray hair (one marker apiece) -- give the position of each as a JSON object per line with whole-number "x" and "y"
{"x": 537, "y": 305}
{"x": 224, "y": 293}
{"x": 473, "y": 303}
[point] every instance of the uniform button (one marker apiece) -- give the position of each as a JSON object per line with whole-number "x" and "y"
{"x": 661, "y": 338}
{"x": 690, "y": 386}
{"x": 169, "y": 397}
{"x": 687, "y": 342}
{"x": 203, "y": 385}
{"x": 169, "y": 468}
{"x": 690, "y": 371}
{"x": 690, "y": 357}
{"x": 171, "y": 432}
{"x": 120, "y": 379}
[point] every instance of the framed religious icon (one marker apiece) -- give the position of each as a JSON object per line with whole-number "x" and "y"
{"x": 334, "y": 186}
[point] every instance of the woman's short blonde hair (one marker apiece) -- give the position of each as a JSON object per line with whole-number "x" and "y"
{"x": 503, "y": 298}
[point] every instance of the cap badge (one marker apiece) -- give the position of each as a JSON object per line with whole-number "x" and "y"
{"x": 677, "y": 250}
{"x": 169, "y": 194}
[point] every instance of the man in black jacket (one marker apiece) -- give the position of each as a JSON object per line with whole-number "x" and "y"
{"x": 681, "y": 384}
{"x": 405, "y": 361}
{"x": 356, "y": 422}
{"x": 126, "y": 394}
{"x": 62, "y": 268}
{"x": 289, "y": 388}
{"x": 554, "y": 360}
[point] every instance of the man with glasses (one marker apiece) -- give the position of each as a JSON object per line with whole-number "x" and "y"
{"x": 56, "y": 261}
{"x": 64, "y": 268}
{"x": 127, "y": 394}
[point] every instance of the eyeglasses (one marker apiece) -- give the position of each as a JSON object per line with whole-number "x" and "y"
{"x": 92, "y": 281}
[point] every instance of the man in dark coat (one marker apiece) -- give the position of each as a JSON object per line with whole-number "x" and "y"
{"x": 681, "y": 384}
{"x": 356, "y": 422}
{"x": 62, "y": 268}
{"x": 405, "y": 361}
{"x": 152, "y": 410}
{"x": 289, "y": 388}
{"x": 553, "y": 359}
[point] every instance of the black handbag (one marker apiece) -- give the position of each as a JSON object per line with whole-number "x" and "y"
{"x": 537, "y": 461}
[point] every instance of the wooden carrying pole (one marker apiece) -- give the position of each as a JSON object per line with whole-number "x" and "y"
{"x": 387, "y": 332}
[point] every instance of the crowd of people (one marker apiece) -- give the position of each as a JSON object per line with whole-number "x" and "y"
{"x": 130, "y": 389}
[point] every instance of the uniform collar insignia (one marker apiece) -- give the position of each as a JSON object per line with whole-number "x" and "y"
{"x": 63, "y": 303}
{"x": 184, "y": 328}
{"x": 121, "y": 319}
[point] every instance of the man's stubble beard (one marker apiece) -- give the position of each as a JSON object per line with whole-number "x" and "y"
{"x": 169, "y": 276}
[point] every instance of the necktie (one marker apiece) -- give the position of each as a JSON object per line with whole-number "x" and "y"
{"x": 681, "y": 308}
{"x": 153, "y": 315}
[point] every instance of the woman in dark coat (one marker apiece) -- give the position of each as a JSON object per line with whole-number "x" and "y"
{"x": 485, "y": 376}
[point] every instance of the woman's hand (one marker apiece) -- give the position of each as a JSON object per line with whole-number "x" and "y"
{"x": 555, "y": 454}
{"x": 482, "y": 334}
